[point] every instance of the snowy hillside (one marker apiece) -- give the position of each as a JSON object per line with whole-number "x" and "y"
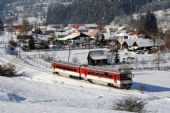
{"x": 163, "y": 18}
{"x": 38, "y": 91}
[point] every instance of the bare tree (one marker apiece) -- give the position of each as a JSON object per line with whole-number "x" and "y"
{"x": 130, "y": 104}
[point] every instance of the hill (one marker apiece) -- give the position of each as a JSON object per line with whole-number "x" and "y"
{"x": 90, "y": 11}
{"x": 3, "y": 3}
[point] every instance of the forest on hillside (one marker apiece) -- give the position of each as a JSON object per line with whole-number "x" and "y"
{"x": 3, "y": 3}
{"x": 92, "y": 11}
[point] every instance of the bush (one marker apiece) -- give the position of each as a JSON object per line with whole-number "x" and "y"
{"x": 8, "y": 70}
{"x": 130, "y": 105}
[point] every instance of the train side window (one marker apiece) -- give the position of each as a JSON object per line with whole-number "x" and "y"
{"x": 89, "y": 72}
{"x": 71, "y": 69}
{"x": 59, "y": 66}
{"x": 106, "y": 75}
{"x": 63, "y": 67}
{"x": 110, "y": 76}
{"x": 56, "y": 65}
{"x": 97, "y": 73}
{"x": 93, "y": 73}
{"x": 102, "y": 74}
{"x": 68, "y": 68}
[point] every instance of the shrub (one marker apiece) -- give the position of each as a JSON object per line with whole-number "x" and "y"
{"x": 130, "y": 105}
{"x": 8, "y": 70}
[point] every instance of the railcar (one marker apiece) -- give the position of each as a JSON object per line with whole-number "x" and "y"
{"x": 98, "y": 75}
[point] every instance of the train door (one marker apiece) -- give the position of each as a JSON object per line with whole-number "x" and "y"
{"x": 83, "y": 73}
{"x": 53, "y": 67}
{"x": 115, "y": 78}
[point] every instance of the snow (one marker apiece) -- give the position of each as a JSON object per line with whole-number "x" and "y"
{"x": 38, "y": 91}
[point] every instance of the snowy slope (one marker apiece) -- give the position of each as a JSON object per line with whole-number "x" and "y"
{"x": 38, "y": 91}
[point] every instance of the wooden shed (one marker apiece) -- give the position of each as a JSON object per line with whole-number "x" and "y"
{"x": 97, "y": 57}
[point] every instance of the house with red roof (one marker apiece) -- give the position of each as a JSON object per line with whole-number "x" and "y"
{"x": 136, "y": 35}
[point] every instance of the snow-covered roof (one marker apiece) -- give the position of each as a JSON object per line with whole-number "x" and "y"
{"x": 122, "y": 34}
{"x": 67, "y": 32}
{"x": 40, "y": 37}
{"x": 91, "y": 25}
{"x": 97, "y": 55}
{"x": 144, "y": 42}
{"x": 121, "y": 41}
{"x": 72, "y": 36}
{"x": 130, "y": 42}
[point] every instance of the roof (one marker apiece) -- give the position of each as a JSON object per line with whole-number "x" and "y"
{"x": 140, "y": 42}
{"x": 76, "y": 26}
{"x": 121, "y": 41}
{"x": 129, "y": 42}
{"x": 93, "y": 32}
{"x": 91, "y": 25}
{"x": 67, "y": 32}
{"x": 136, "y": 33}
{"x": 40, "y": 37}
{"x": 97, "y": 55}
{"x": 69, "y": 37}
{"x": 122, "y": 34}
{"x": 144, "y": 42}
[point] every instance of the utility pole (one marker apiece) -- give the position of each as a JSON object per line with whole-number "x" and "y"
{"x": 69, "y": 51}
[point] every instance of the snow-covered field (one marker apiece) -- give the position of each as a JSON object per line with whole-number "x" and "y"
{"x": 38, "y": 91}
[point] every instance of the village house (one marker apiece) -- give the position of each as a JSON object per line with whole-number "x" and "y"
{"x": 97, "y": 57}
{"x": 76, "y": 39}
{"x": 138, "y": 44}
{"x": 122, "y": 35}
{"x": 136, "y": 35}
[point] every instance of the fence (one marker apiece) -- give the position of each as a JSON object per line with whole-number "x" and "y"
{"x": 42, "y": 64}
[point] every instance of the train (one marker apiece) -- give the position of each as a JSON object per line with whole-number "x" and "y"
{"x": 121, "y": 78}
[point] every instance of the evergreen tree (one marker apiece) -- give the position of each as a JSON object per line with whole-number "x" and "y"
{"x": 38, "y": 31}
{"x": 31, "y": 44}
{"x": 102, "y": 41}
{"x": 91, "y": 11}
{"x": 151, "y": 23}
{"x": 1, "y": 25}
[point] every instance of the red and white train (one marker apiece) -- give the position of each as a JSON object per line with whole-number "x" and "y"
{"x": 119, "y": 79}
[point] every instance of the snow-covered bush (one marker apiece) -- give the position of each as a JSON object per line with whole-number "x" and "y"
{"x": 8, "y": 70}
{"x": 130, "y": 104}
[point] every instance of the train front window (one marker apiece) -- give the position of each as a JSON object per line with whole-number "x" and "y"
{"x": 125, "y": 76}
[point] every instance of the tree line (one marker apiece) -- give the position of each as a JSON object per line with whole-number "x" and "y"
{"x": 92, "y": 11}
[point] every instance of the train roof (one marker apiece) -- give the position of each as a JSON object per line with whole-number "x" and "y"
{"x": 109, "y": 68}
{"x": 67, "y": 63}
{"x": 121, "y": 69}
{"x": 102, "y": 68}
